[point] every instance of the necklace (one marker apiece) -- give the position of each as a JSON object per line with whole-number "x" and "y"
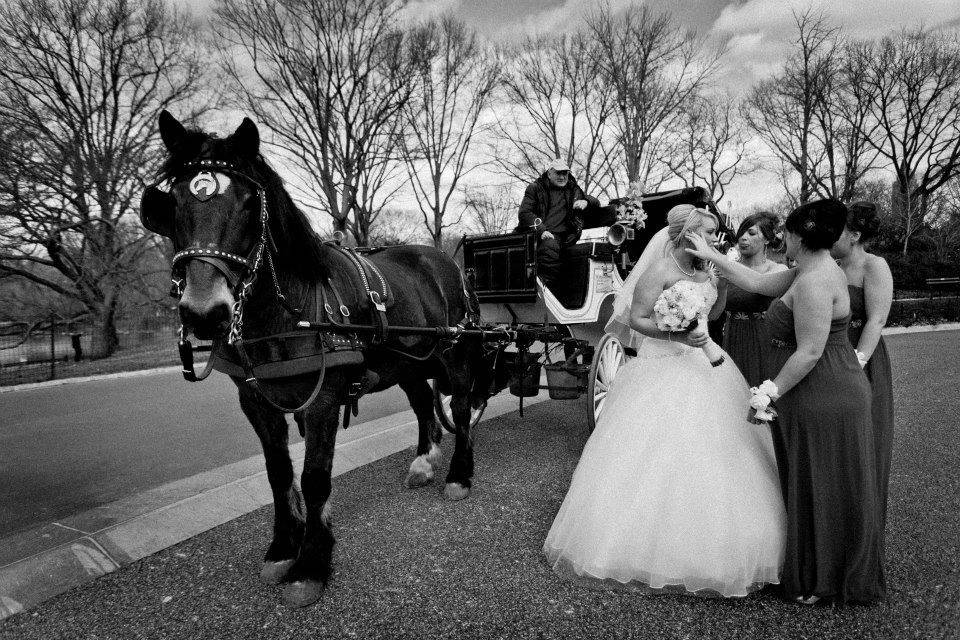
{"x": 682, "y": 270}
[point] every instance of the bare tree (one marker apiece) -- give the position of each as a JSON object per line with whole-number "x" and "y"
{"x": 328, "y": 78}
{"x": 559, "y": 108}
{"x": 652, "y": 67}
{"x": 491, "y": 210}
{"x": 783, "y": 109}
{"x": 81, "y": 82}
{"x": 842, "y": 125}
{"x": 452, "y": 86}
{"x": 396, "y": 226}
{"x": 942, "y": 229}
{"x": 714, "y": 150}
{"x": 914, "y": 82}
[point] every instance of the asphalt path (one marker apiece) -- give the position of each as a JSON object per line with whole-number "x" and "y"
{"x": 68, "y": 448}
{"x": 410, "y": 564}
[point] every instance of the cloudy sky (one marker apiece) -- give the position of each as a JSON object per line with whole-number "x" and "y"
{"x": 755, "y": 33}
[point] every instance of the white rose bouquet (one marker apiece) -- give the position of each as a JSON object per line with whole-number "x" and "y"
{"x": 760, "y": 399}
{"x": 682, "y": 307}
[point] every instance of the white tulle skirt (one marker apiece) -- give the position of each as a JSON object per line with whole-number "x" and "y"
{"x": 675, "y": 489}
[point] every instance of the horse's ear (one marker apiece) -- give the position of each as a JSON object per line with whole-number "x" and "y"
{"x": 246, "y": 139}
{"x": 171, "y": 131}
{"x": 157, "y": 211}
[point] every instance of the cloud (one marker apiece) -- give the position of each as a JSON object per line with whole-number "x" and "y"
{"x": 759, "y": 33}
{"x": 417, "y": 10}
{"x": 566, "y": 16}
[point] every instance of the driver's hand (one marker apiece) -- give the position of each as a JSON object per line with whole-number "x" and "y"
{"x": 546, "y": 235}
{"x": 579, "y": 204}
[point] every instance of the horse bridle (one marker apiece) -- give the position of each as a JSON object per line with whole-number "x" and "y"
{"x": 249, "y": 265}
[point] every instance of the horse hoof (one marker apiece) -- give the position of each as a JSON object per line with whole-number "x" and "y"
{"x": 456, "y": 491}
{"x": 416, "y": 479}
{"x": 302, "y": 593}
{"x": 275, "y": 572}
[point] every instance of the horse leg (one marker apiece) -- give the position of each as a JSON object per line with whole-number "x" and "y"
{"x": 428, "y": 442}
{"x": 309, "y": 574}
{"x": 288, "y": 516}
{"x": 460, "y": 475}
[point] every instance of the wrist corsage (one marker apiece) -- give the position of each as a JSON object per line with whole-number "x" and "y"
{"x": 760, "y": 399}
{"x": 861, "y": 358}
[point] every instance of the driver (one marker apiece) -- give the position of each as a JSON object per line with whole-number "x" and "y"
{"x": 557, "y": 200}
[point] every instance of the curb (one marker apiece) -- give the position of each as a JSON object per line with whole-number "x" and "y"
{"x": 947, "y": 326}
{"x": 40, "y": 563}
{"x": 100, "y": 376}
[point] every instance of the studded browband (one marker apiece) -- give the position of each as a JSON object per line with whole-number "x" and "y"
{"x": 203, "y": 252}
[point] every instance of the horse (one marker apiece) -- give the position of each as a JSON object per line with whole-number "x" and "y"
{"x": 248, "y": 266}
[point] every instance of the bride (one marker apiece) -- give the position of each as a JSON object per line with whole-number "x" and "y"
{"x": 675, "y": 489}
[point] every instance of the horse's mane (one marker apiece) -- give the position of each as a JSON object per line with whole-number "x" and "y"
{"x": 299, "y": 248}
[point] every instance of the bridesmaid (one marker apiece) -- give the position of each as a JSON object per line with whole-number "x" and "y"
{"x": 741, "y": 333}
{"x": 825, "y": 431}
{"x": 871, "y": 293}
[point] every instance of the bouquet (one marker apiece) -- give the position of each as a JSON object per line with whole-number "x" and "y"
{"x": 760, "y": 399}
{"x": 682, "y": 307}
{"x": 632, "y": 212}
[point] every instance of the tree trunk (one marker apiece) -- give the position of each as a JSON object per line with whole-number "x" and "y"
{"x": 104, "y": 341}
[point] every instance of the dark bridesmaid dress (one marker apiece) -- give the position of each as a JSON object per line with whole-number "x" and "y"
{"x": 742, "y": 332}
{"x": 881, "y": 384}
{"x": 824, "y": 443}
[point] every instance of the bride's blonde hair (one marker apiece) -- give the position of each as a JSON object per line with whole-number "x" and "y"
{"x": 683, "y": 219}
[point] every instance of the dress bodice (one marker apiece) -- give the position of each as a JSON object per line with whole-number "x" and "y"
{"x": 779, "y": 327}
{"x": 742, "y": 301}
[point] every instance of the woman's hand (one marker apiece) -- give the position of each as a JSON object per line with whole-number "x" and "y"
{"x": 702, "y": 249}
{"x": 696, "y": 337}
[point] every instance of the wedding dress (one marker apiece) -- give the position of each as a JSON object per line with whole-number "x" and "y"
{"x": 675, "y": 489}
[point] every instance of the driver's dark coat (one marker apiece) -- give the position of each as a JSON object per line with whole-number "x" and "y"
{"x": 536, "y": 204}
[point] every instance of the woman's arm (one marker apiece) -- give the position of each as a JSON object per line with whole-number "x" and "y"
{"x": 648, "y": 289}
{"x": 812, "y": 315}
{"x": 773, "y": 283}
{"x": 878, "y": 296}
{"x": 717, "y": 309}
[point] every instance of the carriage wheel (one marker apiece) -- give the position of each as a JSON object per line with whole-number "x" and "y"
{"x": 607, "y": 360}
{"x": 441, "y": 404}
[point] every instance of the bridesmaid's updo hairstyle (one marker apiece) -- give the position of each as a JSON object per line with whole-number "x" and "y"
{"x": 862, "y": 216}
{"x": 819, "y": 223}
{"x": 768, "y": 223}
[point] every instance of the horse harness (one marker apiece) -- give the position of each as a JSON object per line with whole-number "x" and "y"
{"x": 288, "y": 353}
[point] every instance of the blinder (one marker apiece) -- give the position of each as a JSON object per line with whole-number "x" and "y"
{"x": 157, "y": 211}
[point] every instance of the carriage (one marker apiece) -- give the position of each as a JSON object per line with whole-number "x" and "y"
{"x": 561, "y": 330}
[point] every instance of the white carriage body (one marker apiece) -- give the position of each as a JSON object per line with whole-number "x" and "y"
{"x": 585, "y": 322}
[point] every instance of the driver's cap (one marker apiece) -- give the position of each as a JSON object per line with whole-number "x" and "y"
{"x": 558, "y": 165}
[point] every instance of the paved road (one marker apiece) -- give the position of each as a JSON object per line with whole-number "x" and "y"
{"x": 409, "y": 564}
{"x": 68, "y": 448}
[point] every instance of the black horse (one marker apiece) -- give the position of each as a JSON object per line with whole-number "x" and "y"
{"x": 248, "y": 265}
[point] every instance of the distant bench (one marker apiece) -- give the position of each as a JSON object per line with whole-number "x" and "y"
{"x": 942, "y": 283}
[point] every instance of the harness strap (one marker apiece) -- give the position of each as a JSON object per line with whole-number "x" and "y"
{"x": 377, "y": 299}
{"x": 251, "y": 380}
{"x": 186, "y": 359}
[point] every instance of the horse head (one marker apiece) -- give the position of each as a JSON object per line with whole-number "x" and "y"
{"x": 213, "y": 212}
